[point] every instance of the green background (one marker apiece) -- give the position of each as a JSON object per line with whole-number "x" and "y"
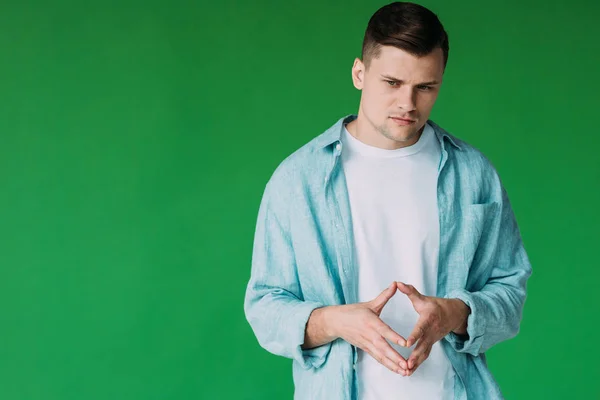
{"x": 135, "y": 142}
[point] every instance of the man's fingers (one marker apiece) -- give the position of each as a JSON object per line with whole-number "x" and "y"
{"x": 384, "y": 348}
{"x": 392, "y": 335}
{"x": 417, "y": 333}
{"x": 419, "y": 354}
{"x": 385, "y": 361}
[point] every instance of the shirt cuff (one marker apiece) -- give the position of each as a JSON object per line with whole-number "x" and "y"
{"x": 475, "y": 325}
{"x": 309, "y": 358}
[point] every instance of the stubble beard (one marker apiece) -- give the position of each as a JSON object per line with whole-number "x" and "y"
{"x": 385, "y": 131}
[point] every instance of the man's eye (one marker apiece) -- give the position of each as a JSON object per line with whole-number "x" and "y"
{"x": 391, "y": 83}
{"x": 426, "y": 88}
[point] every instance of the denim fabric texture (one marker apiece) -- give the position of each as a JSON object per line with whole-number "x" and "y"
{"x": 303, "y": 258}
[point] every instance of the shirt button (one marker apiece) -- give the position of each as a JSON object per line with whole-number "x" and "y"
{"x": 338, "y": 146}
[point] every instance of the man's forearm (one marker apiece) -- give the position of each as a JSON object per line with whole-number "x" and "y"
{"x": 318, "y": 328}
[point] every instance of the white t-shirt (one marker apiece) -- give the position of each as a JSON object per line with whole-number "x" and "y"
{"x": 393, "y": 201}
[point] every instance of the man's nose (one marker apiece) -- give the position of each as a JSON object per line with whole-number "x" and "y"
{"x": 406, "y": 98}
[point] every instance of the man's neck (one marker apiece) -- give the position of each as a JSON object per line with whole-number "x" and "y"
{"x": 359, "y": 126}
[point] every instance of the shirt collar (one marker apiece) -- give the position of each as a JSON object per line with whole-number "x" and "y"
{"x": 333, "y": 134}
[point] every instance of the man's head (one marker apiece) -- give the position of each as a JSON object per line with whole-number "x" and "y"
{"x": 404, "y": 54}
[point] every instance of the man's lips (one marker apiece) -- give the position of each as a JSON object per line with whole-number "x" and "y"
{"x": 402, "y": 121}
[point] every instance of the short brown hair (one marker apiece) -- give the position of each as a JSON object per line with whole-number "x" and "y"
{"x": 407, "y": 26}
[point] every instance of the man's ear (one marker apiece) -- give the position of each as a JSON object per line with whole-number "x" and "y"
{"x": 358, "y": 73}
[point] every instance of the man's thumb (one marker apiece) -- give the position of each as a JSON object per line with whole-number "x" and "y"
{"x": 380, "y": 301}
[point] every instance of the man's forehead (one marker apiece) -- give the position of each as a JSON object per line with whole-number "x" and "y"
{"x": 427, "y": 68}
{"x": 394, "y": 54}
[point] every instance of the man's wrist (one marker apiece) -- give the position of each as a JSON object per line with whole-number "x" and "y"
{"x": 320, "y": 328}
{"x": 328, "y": 321}
{"x": 463, "y": 310}
{"x": 324, "y": 321}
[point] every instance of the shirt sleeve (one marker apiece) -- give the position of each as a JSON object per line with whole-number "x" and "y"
{"x": 496, "y": 309}
{"x": 274, "y": 305}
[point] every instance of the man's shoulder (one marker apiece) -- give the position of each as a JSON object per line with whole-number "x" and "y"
{"x": 308, "y": 161}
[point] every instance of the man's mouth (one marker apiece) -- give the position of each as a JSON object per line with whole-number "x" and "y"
{"x": 402, "y": 121}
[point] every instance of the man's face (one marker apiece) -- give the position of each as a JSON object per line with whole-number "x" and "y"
{"x": 397, "y": 85}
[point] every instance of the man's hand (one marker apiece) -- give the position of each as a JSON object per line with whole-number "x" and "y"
{"x": 359, "y": 324}
{"x": 437, "y": 318}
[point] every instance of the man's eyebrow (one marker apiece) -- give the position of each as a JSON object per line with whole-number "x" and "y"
{"x": 391, "y": 78}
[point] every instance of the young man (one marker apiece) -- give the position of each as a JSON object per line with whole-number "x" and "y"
{"x": 387, "y": 258}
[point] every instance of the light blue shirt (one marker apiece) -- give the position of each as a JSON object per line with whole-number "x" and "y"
{"x": 303, "y": 258}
